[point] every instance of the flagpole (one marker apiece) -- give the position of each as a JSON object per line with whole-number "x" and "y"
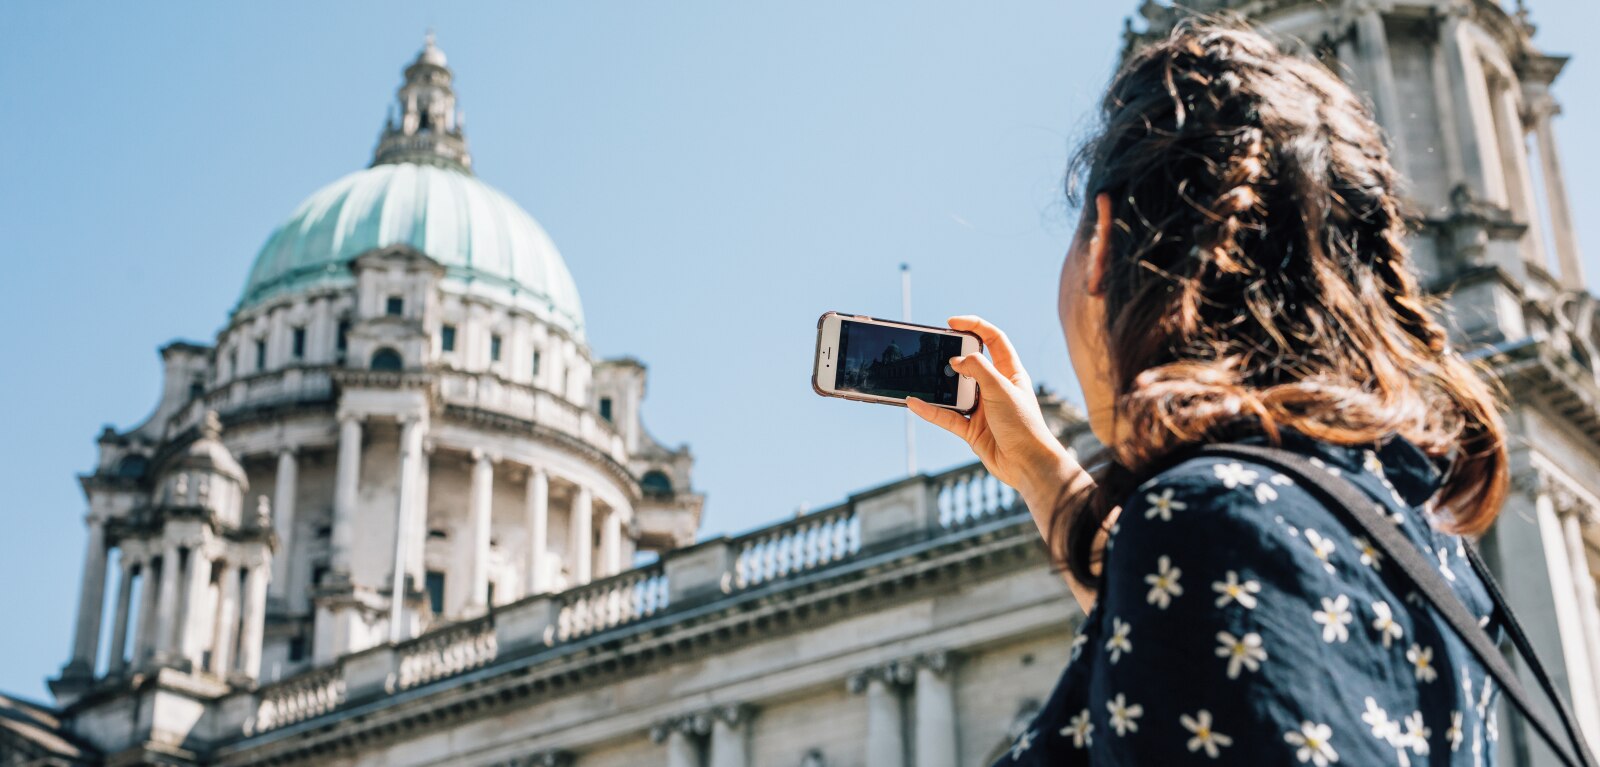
{"x": 911, "y": 418}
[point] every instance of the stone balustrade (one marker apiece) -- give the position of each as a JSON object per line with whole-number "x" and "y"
{"x": 914, "y": 511}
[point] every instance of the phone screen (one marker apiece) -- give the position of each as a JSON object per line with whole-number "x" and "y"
{"x": 897, "y": 362}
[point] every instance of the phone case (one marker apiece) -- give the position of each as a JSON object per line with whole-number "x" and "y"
{"x": 817, "y": 351}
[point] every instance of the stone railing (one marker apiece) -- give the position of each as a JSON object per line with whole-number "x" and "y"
{"x": 278, "y": 387}
{"x": 608, "y": 603}
{"x": 915, "y": 511}
{"x": 800, "y": 544}
{"x": 297, "y": 699}
{"x": 444, "y": 653}
{"x": 528, "y": 403}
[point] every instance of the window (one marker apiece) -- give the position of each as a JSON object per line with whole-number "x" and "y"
{"x": 297, "y": 648}
{"x": 655, "y": 482}
{"x": 132, "y": 466}
{"x": 434, "y": 581}
{"x": 490, "y": 600}
{"x": 344, "y": 336}
{"x": 317, "y": 574}
{"x": 261, "y": 355}
{"x": 395, "y": 306}
{"x": 494, "y": 348}
{"x": 605, "y": 408}
{"x": 535, "y": 363}
{"x": 387, "y": 359}
{"x": 299, "y": 345}
{"x": 197, "y": 388}
{"x": 447, "y": 338}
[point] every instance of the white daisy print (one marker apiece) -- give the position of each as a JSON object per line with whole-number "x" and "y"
{"x": 1388, "y": 630}
{"x": 1491, "y": 727}
{"x": 1204, "y": 737}
{"x": 1163, "y": 583}
{"x": 1370, "y": 462}
{"x": 1123, "y": 715}
{"x": 1444, "y": 565}
{"x": 1417, "y": 734}
{"x": 1245, "y": 651}
{"x": 1118, "y": 643}
{"x": 1422, "y": 659}
{"x": 1265, "y": 493}
{"x": 1281, "y": 480}
{"x": 1231, "y": 590}
{"x": 1079, "y": 729}
{"x": 1335, "y": 618}
{"x": 1233, "y": 475}
{"x": 1163, "y": 505}
{"x": 1454, "y": 733}
{"x": 1320, "y": 546}
{"x": 1024, "y": 742}
{"x": 1317, "y": 462}
{"x": 1312, "y": 738}
{"x": 1483, "y": 697}
{"x": 1383, "y": 728}
{"x": 1370, "y": 556}
{"x": 1077, "y": 646}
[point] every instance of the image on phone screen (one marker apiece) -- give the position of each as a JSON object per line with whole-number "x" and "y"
{"x": 897, "y": 362}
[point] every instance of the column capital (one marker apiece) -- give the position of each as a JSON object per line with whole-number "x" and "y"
{"x": 937, "y": 661}
{"x": 901, "y": 671}
{"x": 350, "y": 416}
{"x": 479, "y": 456}
{"x": 735, "y": 713}
{"x": 288, "y": 450}
{"x": 698, "y": 723}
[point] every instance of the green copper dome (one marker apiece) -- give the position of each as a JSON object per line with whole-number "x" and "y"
{"x": 487, "y": 244}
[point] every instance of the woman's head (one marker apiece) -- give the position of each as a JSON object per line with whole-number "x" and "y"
{"x": 1241, "y": 264}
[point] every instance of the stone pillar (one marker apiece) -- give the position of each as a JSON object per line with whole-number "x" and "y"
{"x": 680, "y": 749}
{"x": 1562, "y": 234}
{"x": 254, "y": 620}
{"x": 410, "y": 459}
{"x": 1569, "y": 620}
{"x": 935, "y": 723}
{"x": 482, "y": 513}
{"x": 611, "y": 542}
{"x": 194, "y": 624}
{"x": 417, "y": 559}
{"x": 1588, "y": 608}
{"x": 166, "y": 625}
{"x": 224, "y": 630}
{"x": 885, "y": 725}
{"x": 283, "y": 524}
{"x": 1374, "y": 47}
{"x": 1473, "y": 120}
{"x": 1519, "y": 180}
{"x": 538, "y": 510}
{"x": 346, "y": 484}
{"x": 729, "y": 740}
{"x": 91, "y": 595}
{"x": 119, "y": 628}
{"x": 144, "y": 640}
{"x": 582, "y": 543}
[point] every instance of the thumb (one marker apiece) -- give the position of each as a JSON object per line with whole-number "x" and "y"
{"x": 980, "y": 369}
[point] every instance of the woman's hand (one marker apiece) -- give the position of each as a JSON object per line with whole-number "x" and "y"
{"x": 1007, "y": 431}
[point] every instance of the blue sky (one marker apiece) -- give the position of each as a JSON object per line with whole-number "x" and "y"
{"x": 716, "y": 174}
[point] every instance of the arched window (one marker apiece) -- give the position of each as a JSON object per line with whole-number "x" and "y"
{"x": 387, "y": 359}
{"x": 655, "y": 483}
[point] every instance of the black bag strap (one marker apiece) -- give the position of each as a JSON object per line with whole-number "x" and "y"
{"x": 1362, "y": 513}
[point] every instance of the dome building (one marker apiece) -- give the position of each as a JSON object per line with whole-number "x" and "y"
{"x": 402, "y": 425}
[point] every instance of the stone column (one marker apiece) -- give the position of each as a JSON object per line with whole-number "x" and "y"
{"x": 1569, "y": 620}
{"x": 582, "y": 543}
{"x": 283, "y": 524}
{"x": 936, "y": 712}
{"x": 91, "y": 595}
{"x": 1563, "y": 236}
{"x": 144, "y": 639}
{"x": 166, "y": 625}
{"x": 1374, "y": 46}
{"x": 1473, "y": 121}
{"x": 254, "y": 620}
{"x": 885, "y": 727}
{"x": 225, "y": 628}
{"x": 346, "y": 484}
{"x": 728, "y": 737}
{"x": 119, "y": 628}
{"x": 680, "y": 749}
{"x": 194, "y": 623}
{"x": 404, "y": 521}
{"x": 1588, "y": 607}
{"x": 1519, "y": 180}
{"x": 482, "y": 513}
{"x": 538, "y": 510}
{"x": 611, "y": 543}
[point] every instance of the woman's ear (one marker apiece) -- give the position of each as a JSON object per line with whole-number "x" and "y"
{"x": 1099, "y": 245}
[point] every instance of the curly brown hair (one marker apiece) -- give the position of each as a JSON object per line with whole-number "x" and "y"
{"x": 1257, "y": 278}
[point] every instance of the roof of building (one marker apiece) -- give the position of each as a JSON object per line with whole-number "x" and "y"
{"x": 36, "y": 729}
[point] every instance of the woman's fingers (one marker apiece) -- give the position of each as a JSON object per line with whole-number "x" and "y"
{"x": 1005, "y": 356}
{"x": 979, "y": 368}
{"x": 949, "y": 420}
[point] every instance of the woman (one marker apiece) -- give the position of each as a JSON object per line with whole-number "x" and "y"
{"x": 1239, "y": 275}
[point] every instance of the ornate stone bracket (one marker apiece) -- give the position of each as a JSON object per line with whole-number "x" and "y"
{"x": 700, "y": 722}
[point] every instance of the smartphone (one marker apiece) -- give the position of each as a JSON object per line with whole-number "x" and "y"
{"x": 872, "y": 360}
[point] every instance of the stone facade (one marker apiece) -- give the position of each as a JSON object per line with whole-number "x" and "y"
{"x": 344, "y": 539}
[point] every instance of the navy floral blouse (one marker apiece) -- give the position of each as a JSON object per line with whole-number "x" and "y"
{"x": 1241, "y": 623}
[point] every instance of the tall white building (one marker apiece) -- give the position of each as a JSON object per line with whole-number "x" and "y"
{"x": 390, "y": 517}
